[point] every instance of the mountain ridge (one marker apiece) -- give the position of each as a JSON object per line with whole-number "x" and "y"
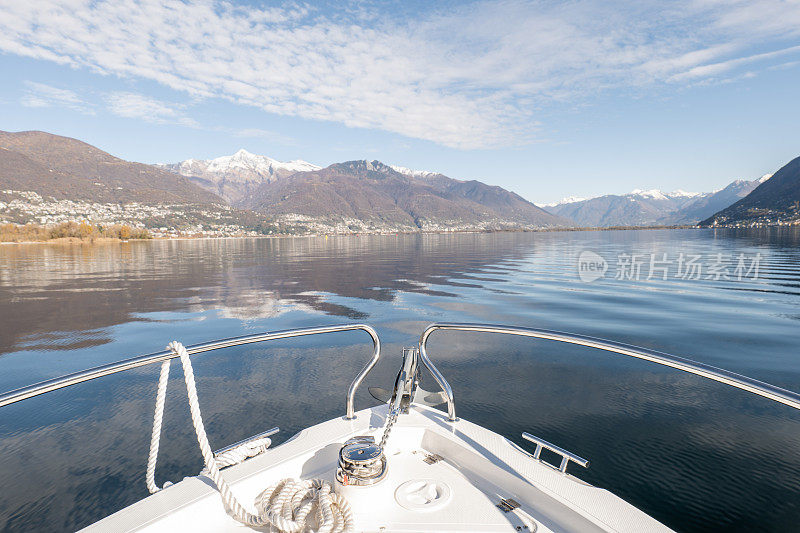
{"x": 48, "y": 179}
{"x": 271, "y": 196}
{"x": 234, "y": 176}
{"x": 773, "y": 200}
{"x": 379, "y": 194}
{"x": 66, "y": 168}
{"x": 652, "y": 207}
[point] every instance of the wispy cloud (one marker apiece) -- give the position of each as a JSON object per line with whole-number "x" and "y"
{"x": 135, "y": 105}
{"x": 472, "y": 76}
{"x": 42, "y": 95}
{"x": 713, "y": 69}
{"x": 268, "y": 135}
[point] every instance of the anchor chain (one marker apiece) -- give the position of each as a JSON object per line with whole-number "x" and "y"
{"x": 389, "y": 423}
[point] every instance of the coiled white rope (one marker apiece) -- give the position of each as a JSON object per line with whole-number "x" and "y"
{"x": 293, "y": 505}
{"x": 289, "y": 506}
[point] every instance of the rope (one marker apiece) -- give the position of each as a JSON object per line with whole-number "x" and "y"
{"x": 293, "y": 505}
{"x": 155, "y": 439}
{"x": 243, "y": 451}
{"x": 289, "y": 506}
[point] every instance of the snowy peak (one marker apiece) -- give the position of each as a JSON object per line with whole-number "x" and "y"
{"x": 679, "y": 193}
{"x": 235, "y": 176}
{"x": 259, "y": 164}
{"x": 651, "y": 194}
{"x": 564, "y": 201}
{"x": 413, "y": 173}
{"x": 656, "y": 194}
{"x": 652, "y": 207}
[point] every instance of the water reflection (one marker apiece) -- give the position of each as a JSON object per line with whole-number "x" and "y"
{"x": 48, "y": 290}
{"x": 693, "y": 454}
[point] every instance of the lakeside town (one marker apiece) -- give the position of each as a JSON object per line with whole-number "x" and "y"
{"x": 26, "y": 216}
{"x": 165, "y": 221}
{"x": 159, "y": 221}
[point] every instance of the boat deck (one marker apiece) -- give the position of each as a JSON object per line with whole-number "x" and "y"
{"x": 441, "y": 477}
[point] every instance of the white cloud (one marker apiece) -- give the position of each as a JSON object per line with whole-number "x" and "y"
{"x": 472, "y": 76}
{"x": 135, "y": 105}
{"x": 268, "y": 135}
{"x": 42, "y": 95}
{"x": 713, "y": 69}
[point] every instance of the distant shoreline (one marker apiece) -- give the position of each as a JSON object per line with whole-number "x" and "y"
{"x": 70, "y": 233}
{"x": 72, "y": 241}
{"x": 75, "y": 240}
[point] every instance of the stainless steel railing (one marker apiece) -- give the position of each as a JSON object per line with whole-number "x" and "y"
{"x": 43, "y": 387}
{"x": 566, "y": 456}
{"x": 786, "y": 397}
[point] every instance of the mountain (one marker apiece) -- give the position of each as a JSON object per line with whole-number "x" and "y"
{"x": 65, "y": 168}
{"x": 652, "y": 207}
{"x": 776, "y": 199}
{"x": 49, "y": 179}
{"x": 422, "y": 174}
{"x": 373, "y": 196}
{"x": 394, "y": 195}
{"x": 638, "y": 208}
{"x": 505, "y": 204}
{"x": 235, "y": 176}
{"x": 708, "y": 204}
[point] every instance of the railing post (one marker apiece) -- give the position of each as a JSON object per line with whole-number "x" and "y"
{"x": 376, "y": 354}
{"x": 448, "y": 391}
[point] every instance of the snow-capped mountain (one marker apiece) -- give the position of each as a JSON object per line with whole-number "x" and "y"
{"x": 775, "y": 200}
{"x": 652, "y": 207}
{"x": 234, "y": 176}
{"x": 567, "y": 200}
{"x": 371, "y": 194}
{"x": 656, "y": 194}
{"x": 651, "y": 194}
{"x": 421, "y": 174}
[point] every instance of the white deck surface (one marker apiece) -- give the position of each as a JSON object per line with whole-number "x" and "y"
{"x": 479, "y": 468}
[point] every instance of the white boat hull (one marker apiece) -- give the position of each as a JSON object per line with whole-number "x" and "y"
{"x": 459, "y": 493}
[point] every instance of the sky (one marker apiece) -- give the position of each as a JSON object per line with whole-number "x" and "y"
{"x": 548, "y": 99}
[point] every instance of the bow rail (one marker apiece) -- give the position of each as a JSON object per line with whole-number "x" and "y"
{"x": 786, "y": 397}
{"x": 766, "y": 390}
{"x": 50, "y": 385}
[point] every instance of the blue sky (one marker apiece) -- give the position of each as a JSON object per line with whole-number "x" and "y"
{"x": 548, "y": 99}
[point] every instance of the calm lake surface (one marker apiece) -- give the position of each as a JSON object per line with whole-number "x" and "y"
{"x": 694, "y": 454}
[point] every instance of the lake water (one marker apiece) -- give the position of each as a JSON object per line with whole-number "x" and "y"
{"x": 694, "y": 454}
